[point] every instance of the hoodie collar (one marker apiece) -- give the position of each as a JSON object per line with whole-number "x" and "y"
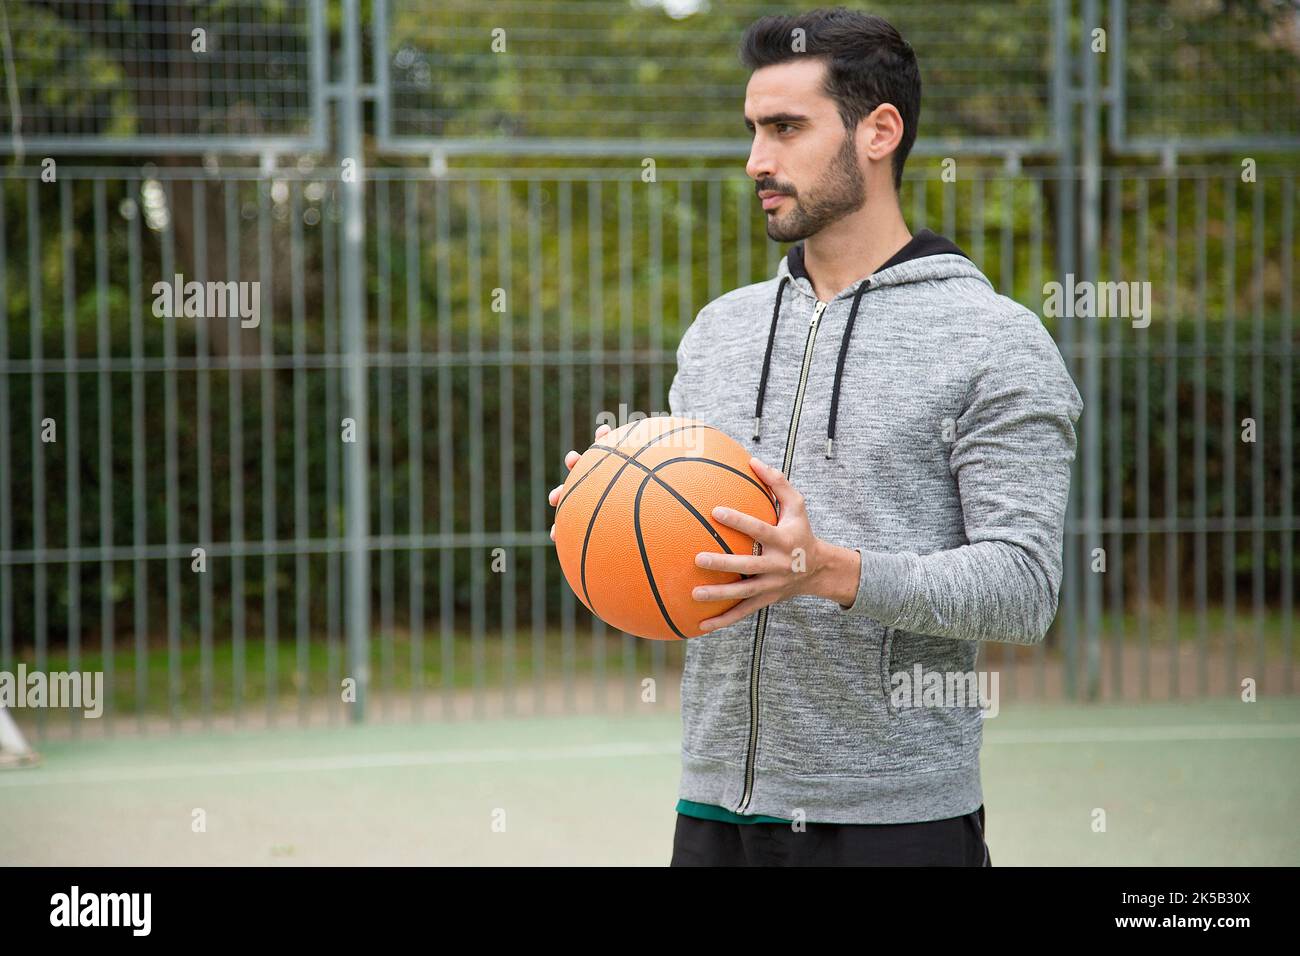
{"x": 924, "y": 244}
{"x": 926, "y": 256}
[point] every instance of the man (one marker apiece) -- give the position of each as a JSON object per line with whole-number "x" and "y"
{"x": 917, "y": 429}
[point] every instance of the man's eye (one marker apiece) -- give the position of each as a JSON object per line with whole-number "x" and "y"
{"x": 786, "y": 125}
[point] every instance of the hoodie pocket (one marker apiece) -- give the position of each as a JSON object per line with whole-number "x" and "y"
{"x": 886, "y": 645}
{"x": 919, "y": 735}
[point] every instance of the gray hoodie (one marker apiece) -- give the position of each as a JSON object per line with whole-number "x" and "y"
{"x": 929, "y": 423}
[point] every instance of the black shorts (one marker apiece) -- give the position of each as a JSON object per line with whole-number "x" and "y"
{"x": 958, "y": 841}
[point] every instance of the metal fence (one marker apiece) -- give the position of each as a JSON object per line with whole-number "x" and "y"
{"x": 471, "y": 322}
{"x": 673, "y": 81}
{"x": 156, "y": 76}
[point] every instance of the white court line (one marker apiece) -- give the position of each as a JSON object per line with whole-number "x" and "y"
{"x": 1204, "y": 734}
{"x": 32, "y": 777}
{"x": 38, "y": 776}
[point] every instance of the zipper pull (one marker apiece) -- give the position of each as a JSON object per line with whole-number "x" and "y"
{"x": 817, "y": 312}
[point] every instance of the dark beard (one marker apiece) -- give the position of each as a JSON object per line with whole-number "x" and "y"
{"x": 839, "y": 192}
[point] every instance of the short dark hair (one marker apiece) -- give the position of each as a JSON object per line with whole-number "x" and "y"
{"x": 867, "y": 63}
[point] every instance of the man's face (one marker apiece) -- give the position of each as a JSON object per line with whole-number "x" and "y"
{"x": 801, "y": 150}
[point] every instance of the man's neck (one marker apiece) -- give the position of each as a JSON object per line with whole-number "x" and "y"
{"x": 853, "y": 248}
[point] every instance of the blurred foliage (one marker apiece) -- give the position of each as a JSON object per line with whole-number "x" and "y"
{"x": 47, "y": 45}
{"x": 578, "y": 288}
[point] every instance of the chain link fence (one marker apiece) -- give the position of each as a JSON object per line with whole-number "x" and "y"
{"x": 459, "y": 266}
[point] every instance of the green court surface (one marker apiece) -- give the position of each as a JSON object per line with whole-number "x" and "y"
{"x": 1207, "y": 783}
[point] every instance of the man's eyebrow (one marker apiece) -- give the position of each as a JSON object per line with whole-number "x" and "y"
{"x": 777, "y": 118}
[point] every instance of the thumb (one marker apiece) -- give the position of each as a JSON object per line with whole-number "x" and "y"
{"x": 785, "y": 492}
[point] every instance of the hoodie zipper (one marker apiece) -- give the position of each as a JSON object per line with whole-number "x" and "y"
{"x": 756, "y": 660}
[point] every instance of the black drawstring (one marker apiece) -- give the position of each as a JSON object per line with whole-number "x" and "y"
{"x": 839, "y": 369}
{"x": 839, "y": 364}
{"x": 767, "y": 358}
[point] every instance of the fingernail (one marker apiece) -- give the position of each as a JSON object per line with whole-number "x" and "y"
{"x": 699, "y": 594}
{"x": 719, "y": 512}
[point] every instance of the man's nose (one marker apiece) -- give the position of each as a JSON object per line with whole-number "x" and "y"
{"x": 759, "y": 166}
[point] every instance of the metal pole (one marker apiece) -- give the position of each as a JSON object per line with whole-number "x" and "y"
{"x": 1090, "y": 255}
{"x": 351, "y": 262}
{"x": 1063, "y": 112}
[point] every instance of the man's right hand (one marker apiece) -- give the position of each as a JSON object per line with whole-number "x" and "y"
{"x": 570, "y": 460}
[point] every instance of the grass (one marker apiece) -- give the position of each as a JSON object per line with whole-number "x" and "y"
{"x": 147, "y": 683}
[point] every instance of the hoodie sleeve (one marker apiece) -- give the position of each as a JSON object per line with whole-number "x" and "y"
{"x": 1011, "y": 460}
{"x": 679, "y": 402}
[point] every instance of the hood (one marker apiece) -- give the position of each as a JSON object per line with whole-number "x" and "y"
{"x": 926, "y": 257}
{"x": 923, "y": 244}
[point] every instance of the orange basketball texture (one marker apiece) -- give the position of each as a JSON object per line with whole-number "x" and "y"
{"x": 636, "y": 509}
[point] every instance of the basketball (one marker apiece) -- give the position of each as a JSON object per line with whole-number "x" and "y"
{"x": 636, "y": 509}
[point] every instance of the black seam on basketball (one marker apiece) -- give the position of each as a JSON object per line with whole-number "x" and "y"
{"x": 653, "y": 473}
{"x": 645, "y": 558}
{"x": 599, "y": 504}
{"x": 767, "y": 492}
{"x": 560, "y": 504}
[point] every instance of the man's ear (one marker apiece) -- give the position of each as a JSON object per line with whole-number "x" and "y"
{"x": 880, "y": 132}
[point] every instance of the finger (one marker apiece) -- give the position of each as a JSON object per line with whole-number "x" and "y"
{"x": 737, "y": 613}
{"x": 552, "y": 532}
{"x": 786, "y": 493}
{"x": 571, "y": 459}
{"x": 602, "y": 431}
{"x": 758, "y": 530}
{"x": 736, "y": 563}
{"x": 554, "y": 496}
{"x": 738, "y": 591}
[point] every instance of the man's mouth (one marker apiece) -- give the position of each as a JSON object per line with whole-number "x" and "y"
{"x": 772, "y": 200}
